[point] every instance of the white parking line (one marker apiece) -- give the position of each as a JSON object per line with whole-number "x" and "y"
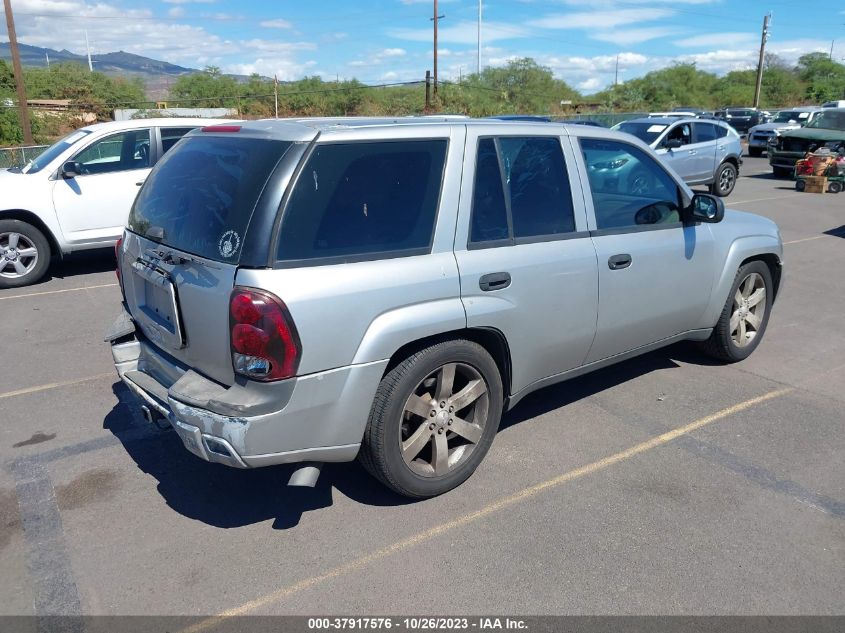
{"x": 731, "y": 202}
{"x": 807, "y": 239}
{"x": 53, "y": 292}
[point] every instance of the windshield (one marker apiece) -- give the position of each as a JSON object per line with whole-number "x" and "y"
{"x": 647, "y": 132}
{"x": 51, "y": 153}
{"x": 834, "y": 120}
{"x": 201, "y": 195}
{"x": 785, "y": 116}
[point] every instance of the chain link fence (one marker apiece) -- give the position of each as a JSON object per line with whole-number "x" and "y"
{"x": 19, "y": 156}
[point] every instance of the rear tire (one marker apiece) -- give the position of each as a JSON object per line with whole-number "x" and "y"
{"x": 433, "y": 419}
{"x": 745, "y": 316}
{"x": 834, "y": 187}
{"x": 800, "y": 185}
{"x": 725, "y": 180}
{"x": 24, "y": 254}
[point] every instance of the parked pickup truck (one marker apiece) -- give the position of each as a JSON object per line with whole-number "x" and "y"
{"x": 827, "y": 129}
{"x": 76, "y": 195}
{"x": 321, "y": 290}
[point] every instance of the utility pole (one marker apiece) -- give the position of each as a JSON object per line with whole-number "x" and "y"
{"x": 478, "y": 52}
{"x": 436, "y": 19}
{"x": 616, "y": 74}
{"x": 88, "y": 51}
{"x": 276, "y": 93}
{"x": 427, "y": 90}
{"x": 23, "y": 113}
{"x": 832, "y": 42}
{"x": 763, "y": 40}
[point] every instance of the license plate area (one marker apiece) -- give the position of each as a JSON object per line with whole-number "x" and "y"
{"x": 158, "y": 305}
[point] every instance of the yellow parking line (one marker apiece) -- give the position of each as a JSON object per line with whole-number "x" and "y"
{"x": 54, "y": 292}
{"x": 54, "y": 385}
{"x": 466, "y": 519}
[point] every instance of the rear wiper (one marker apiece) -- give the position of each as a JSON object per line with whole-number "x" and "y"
{"x": 169, "y": 257}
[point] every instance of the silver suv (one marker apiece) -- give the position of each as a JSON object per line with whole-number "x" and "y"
{"x": 316, "y": 290}
{"x": 701, "y": 152}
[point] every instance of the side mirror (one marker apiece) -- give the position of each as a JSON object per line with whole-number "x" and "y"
{"x": 673, "y": 143}
{"x": 706, "y": 208}
{"x": 71, "y": 169}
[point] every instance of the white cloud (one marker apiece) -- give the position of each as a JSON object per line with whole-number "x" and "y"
{"x": 176, "y": 12}
{"x": 465, "y": 32}
{"x": 189, "y": 1}
{"x": 393, "y": 52}
{"x": 626, "y": 37}
{"x": 599, "y": 19}
{"x": 276, "y": 24}
{"x": 284, "y": 69}
{"x": 709, "y": 40}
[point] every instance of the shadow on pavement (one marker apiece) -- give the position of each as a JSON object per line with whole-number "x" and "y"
{"x": 837, "y": 232}
{"x": 229, "y": 497}
{"x": 100, "y": 260}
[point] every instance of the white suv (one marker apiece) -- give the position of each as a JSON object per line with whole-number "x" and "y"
{"x": 77, "y": 194}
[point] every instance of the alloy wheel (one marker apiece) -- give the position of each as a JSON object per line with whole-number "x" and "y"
{"x": 18, "y": 255}
{"x": 726, "y": 179}
{"x": 749, "y": 309}
{"x": 443, "y": 420}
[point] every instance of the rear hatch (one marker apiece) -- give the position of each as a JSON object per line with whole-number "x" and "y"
{"x": 188, "y": 233}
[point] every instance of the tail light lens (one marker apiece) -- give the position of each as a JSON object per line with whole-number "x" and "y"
{"x": 117, "y": 257}
{"x": 265, "y": 343}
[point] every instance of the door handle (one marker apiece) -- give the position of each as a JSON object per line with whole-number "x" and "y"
{"x": 139, "y": 183}
{"x": 692, "y": 152}
{"x": 494, "y": 281}
{"x": 617, "y": 262}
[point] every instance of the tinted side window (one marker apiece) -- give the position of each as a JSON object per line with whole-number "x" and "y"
{"x": 536, "y": 199}
{"x": 705, "y": 132}
{"x": 629, "y": 187}
{"x": 489, "y": 214}
{"x": 721, "y": 131}
{"x": 355, "y": 199}
{"x": 118, "y": 152}
{"x": 538, "y": 183}
{"x": 169, "y": 136}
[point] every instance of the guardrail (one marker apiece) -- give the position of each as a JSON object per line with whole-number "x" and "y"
{"x": 19, "y": 156}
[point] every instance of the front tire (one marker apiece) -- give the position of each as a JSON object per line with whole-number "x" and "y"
{"x": 24, "y": 254}
{"x": 725, "y": 180}
{"x": 433, "y": 419}
{"x": 745, "y": 316}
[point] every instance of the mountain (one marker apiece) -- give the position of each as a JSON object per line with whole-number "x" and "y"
{"x": 156, "y": 74}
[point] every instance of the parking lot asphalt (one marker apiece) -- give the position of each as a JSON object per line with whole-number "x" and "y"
{"x": 667, "y": 484}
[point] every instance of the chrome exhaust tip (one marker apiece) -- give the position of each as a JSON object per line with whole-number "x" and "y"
{"x": 306, "y": 475}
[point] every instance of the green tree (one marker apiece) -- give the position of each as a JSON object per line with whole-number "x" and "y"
{"x": 208, "y": 89}
{"x": 7, "y": 80}
{"x": 825, "y": 78}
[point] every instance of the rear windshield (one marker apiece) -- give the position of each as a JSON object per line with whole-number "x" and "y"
{"x": 201, "y": 195}
{"x": 364, "y": 200}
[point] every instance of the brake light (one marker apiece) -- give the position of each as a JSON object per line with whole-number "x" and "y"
{"x": 117, "y": 257}
{"x": 221, "y": 128}
{"x": 264, "y": 341}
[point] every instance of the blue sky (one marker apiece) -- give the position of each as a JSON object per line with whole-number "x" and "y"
{"x": 390, "y": 40}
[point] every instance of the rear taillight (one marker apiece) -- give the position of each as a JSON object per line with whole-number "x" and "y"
{"x": 117, "y": 257}
{"x": 265, "y": 343}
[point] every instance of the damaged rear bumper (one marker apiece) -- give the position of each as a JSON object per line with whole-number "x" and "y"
{"x": 320, "y": 417}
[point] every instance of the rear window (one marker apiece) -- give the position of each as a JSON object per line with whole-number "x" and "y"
{"x": 201, "y": 195}
{"x": 359, "y": 200}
